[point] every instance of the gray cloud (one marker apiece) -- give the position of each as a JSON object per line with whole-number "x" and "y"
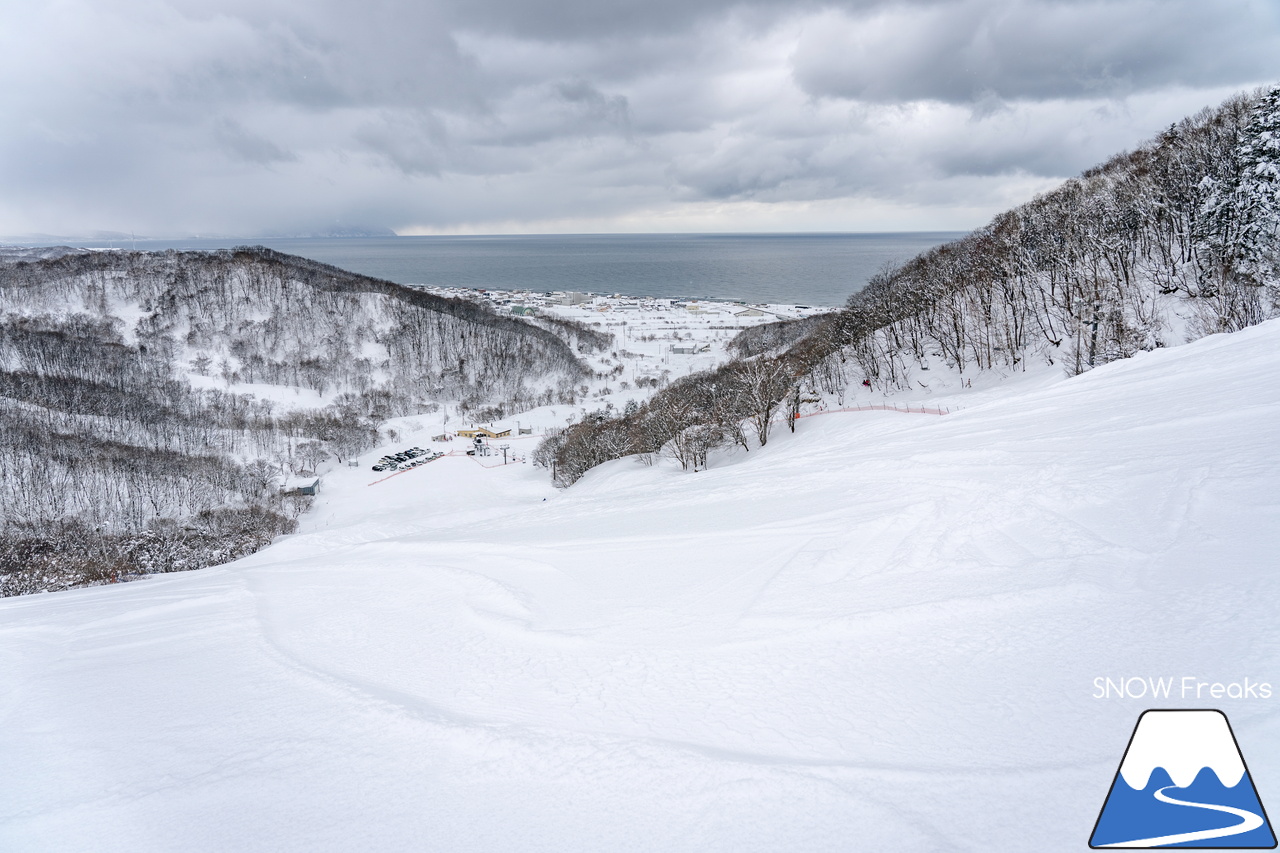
{"x": 250, "y": 147}
{"x": 596, "y": 107}
{"x": 416, "y": 142}
{"x": 234, "y": 116}
{"x": 975, "y": 49}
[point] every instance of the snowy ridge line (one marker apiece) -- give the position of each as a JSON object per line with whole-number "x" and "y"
{"x": 877, "y": 407}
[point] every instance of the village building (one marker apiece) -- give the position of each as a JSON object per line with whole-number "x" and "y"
{"x": 301, "y": 485}
{"x": 483, "y": 432}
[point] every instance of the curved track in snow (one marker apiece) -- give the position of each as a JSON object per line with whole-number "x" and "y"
{"x": 876, "y": 632}
{"x": 1248, "y": 822}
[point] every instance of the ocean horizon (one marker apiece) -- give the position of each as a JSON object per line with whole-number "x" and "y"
{"x": 819, "y": 269}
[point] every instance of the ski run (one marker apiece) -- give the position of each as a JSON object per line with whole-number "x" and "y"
{"x": 880, "y": 632}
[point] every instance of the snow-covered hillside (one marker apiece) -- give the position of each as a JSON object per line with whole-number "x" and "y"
{"x": 879, "y": 633}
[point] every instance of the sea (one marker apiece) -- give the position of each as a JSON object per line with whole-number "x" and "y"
{"x": 797, "y": 269}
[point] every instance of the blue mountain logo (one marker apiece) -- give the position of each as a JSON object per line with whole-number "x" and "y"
{"x": 1183, "y": 783}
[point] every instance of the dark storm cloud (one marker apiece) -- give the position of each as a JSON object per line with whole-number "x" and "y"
{"x": 415, "y": 142}
{"x": 274, "y": 115}
{"x": 240, "y": 143}
{"x": 595, "y": 106}
{"x": 584, "y": 20}
{"x": 968, "y": 51}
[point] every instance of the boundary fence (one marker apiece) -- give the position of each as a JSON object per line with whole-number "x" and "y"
{"x": 904, "y": 408}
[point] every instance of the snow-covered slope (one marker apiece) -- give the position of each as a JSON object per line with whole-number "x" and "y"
{"x": 881, "y": 633}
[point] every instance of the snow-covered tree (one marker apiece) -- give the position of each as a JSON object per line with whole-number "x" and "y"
{"x": 1258, "y": 195}
{"x": 1237, "y": 225}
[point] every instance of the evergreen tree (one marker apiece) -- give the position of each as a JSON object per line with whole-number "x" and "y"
{"x": 1257, "y": 197}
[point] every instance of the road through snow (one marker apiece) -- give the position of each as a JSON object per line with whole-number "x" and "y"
{"x": 878, "y": 633}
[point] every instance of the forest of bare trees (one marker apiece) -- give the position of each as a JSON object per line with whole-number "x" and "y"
{"x": 124, "y": 444}
{"x": 127, "y": 444}
{"x": 1175, "y": 240}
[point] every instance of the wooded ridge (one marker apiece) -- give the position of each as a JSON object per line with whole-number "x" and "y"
{"x": 1175, "y": 240}
{"x": 127, "y": 440}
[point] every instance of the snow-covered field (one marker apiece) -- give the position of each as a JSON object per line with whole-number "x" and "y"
{"x": 655, "y": 341}
{"x": 880, "y": 633}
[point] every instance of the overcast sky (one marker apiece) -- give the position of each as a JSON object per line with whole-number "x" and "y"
{"x": 246, "y": 117}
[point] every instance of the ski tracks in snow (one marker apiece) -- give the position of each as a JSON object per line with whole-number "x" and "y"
{"x": 1248, "y": 822}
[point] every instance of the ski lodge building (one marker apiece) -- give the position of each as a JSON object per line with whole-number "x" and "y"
{"x": 483, "y": 432}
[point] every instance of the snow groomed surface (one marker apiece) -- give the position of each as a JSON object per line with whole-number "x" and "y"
{"x": 879, "y": 633}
